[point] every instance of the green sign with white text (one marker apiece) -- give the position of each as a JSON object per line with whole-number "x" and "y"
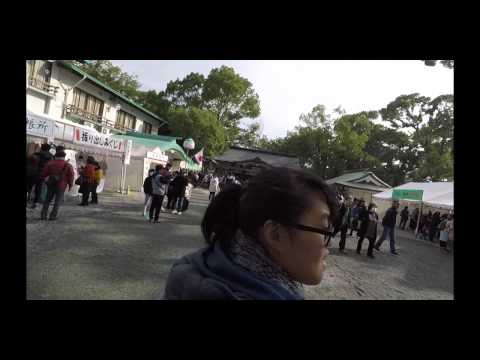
{"x": 403, "y": 194}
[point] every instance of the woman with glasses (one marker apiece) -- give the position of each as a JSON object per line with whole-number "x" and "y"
{"x": 263, "y": 240}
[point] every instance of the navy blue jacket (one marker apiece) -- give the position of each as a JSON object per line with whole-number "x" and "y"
{"x": 209, "y": 274}
{"x": 390, "y": 218}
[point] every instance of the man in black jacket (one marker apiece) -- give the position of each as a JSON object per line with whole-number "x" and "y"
{"x": 179, "y": 185}
{"x": 44, "y": 156}
{"x": 388, "y": 222}
{"x": 147, "y": 189}
{"x": 343, "y": 222}
{"x": 404, "y": 217}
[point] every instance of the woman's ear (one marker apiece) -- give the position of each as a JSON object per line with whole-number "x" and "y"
{"x": 274, "y": 236}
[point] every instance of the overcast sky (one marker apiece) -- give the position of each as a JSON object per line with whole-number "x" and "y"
{"x": 290, "y": 88}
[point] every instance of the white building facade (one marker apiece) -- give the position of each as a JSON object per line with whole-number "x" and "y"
{"x": 62, "y": 90}
{"x": 67, "y": 107}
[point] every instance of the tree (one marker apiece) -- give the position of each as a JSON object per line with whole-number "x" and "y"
{"x": 113, "y": 76}
{"x": 186, "y": 92}
{"x": 231, "y": 97}
{"x": 438, "y": 166}
{"x": 201, "y": 125}
{"x": 431, "y": 122}
{"x": 447, "y": 63}
{"x": 225, "y": 93}
{"x": 406, "y": 111}
{"x": 157, "y": 103}
{"x": 351, "y": 135}
{"x": 310, "y": 141}
{"x": 249, "y": 137}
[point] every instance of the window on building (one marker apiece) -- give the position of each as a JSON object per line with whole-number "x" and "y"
{"x": 87, "y": 105}
{"x": 39, "y": 73}
{"x": 125, "y": 120}
{"x": 147, "y": 128}
{"x": 39, "y": 69}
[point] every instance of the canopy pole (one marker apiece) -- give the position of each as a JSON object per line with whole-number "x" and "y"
{"x": 419, "y": 217}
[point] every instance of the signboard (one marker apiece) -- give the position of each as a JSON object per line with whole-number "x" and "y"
{"x": 40, "y": 126}
{"x": 128, "y": 151}
{"x": 93, "y": 138}
{"x": 157, "y": 155}
{"x": 404, "y": 194}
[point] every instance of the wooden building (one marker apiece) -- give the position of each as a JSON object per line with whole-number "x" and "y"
{"x": 359, "y": 184}
{"x": 245, "y": 163}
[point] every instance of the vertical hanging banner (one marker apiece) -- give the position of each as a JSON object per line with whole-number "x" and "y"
{"x": 128, "y": 151}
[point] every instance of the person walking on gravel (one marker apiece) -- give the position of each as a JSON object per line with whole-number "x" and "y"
{"x": 354, "y": 215}
{"x": 368, "y": 228}
{"x": 404, "y": 218}
{"x": 158, "y": 193}
{"x": 213, "y": 187}
{"x": 343, "y": 222}
{"x": 58, "y": 174}
{"x": 388, "y": 222}
{"x": 147, "y": 189}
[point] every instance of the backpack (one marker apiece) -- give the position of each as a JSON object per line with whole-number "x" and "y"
{"x": 147, "y": 185}
{"x": 54, "y": 180}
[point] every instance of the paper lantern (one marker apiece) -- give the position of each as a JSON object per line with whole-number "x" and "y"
{"x": 189, "y": 144}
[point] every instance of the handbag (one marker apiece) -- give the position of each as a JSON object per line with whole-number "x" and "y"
{"x": 79, "y": 180}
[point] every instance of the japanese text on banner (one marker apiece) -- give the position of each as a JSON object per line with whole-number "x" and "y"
{"x": 86, "y": 137}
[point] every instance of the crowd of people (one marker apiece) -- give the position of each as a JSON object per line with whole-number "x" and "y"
{"x": 354, "y": 215}
{"x": 48, "y": 177}
{"x": 161, "y": 183}
{"x": 434, "y": 227}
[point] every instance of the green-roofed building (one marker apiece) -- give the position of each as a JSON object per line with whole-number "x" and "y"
{"x": 360, "y": 184}
{"x": 151, "y": 150}
{"x": 71, "y": 101}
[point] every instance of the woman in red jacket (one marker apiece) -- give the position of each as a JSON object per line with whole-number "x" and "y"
{"x": 88, "y": 180}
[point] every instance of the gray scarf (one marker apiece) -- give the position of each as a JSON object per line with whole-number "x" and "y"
{"x": 252, "y": 256}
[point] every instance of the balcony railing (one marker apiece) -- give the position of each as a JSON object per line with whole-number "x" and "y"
{"x": 41, "y": 84}
{"x": 95, "y": 119}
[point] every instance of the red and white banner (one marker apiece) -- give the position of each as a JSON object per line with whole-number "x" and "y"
{"x": 93, "y": 138}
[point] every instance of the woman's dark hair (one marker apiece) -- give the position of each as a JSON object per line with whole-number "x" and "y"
{"x": 278, "y": 194}
{"x": 158, "y": 167}
{"x": 371, "y": 205}
{"x": 45, "y": 147}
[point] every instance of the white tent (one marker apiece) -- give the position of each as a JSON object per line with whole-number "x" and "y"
{"x": 434, "y": 193}
{"x": 444, "y": 201}
{"x": 437, "y": 195}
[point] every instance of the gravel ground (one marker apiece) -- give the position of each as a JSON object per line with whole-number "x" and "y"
{"x": 109, "y": 251}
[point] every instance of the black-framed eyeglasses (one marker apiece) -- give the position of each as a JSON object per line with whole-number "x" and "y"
{"x": 327, "y": 232}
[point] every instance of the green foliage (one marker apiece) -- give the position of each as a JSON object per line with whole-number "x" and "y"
{"x": 231, "y": 97}
{"x": 200, "y": 125}
{"x": 418, "y": 143}
{"x": 186, "y": 92}
{"x": 113, "y": 76}
{"x": 406, "y": 111}
{"x": 331, "y": 146}
{"x": 155, "y": 102}
{"x": 249, "y": 137}
{"x": 447, "y": 63}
